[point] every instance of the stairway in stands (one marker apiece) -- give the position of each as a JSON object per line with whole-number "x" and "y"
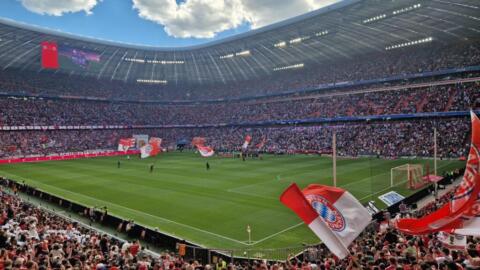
{"x": 451, "y": 93}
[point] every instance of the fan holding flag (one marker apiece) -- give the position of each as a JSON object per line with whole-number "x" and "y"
{"x": 333, "y": 214}
{"x": 245, "y": 145}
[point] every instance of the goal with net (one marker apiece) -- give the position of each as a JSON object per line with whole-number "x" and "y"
{"x": 409, "y": 174}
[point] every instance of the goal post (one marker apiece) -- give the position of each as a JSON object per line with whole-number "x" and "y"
{"x": 411, "y": 174}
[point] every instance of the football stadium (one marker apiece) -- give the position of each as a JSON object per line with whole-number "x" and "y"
{"x": 334, "y": 135}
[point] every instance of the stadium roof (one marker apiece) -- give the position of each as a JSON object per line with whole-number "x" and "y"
{"x": 338, "y": 32}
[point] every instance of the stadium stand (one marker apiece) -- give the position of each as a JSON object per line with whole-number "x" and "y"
{"x": 383, "y": 103}
{"x": 388, "y": 139}
{"x": 443, "y": 98}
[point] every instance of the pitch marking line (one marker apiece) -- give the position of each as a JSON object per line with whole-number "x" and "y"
{"x": 275, "y": 234}
{"x": 252, "y": 195}
{"x": 156, "y": 217}
{"x": 385, "y": 189}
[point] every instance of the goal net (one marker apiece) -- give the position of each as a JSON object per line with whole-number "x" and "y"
{"x": 409, "y": 174}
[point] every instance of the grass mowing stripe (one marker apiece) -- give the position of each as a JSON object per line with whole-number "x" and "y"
{"x": 221, "y": 201}
{"x": 132, "y": 210}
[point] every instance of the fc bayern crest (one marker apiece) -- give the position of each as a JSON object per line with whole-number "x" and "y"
{"x": 467, "y": 186}
{"x": 328, "y": 212}
{"x": 148, "y": 148}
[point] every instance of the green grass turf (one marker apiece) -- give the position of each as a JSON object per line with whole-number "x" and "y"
{"x": 211, "y": 208}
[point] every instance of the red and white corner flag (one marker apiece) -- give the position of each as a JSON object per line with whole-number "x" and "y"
{"x": 333, "y": 214}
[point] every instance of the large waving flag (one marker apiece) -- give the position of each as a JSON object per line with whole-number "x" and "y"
{"x": 247, "y": 141}
{"x": 205, "y": 151}
{"x": 152, "y": 148}
{"x": 156, "y": 141}
{"x": 198, "y": 141}
{"x": 452, "y": 241}
{"x": 463, "y": 210}
{"x": 333, "y": 214}
{"x": 125, "y": 144}
{"x": 469, "y": 223}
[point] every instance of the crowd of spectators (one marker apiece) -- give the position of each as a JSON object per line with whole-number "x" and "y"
{"x": 35, "y": 239}
{"x": 429, "y": 57}
{"x": 384, "y": 138}
{"x": 35, "y": 111}
{"x": 382, "y": 247}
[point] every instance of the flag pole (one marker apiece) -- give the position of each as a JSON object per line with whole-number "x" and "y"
{"x": 334, "y": 158}
{"x": 435, "y": 159}
{"x": 435, "y": 150}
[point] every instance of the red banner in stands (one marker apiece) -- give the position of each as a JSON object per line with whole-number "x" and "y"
{"x": 67, "y": 156}
{"x": 49, "y": 55}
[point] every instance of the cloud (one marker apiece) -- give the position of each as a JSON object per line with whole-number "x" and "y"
{"x": 59, "y": 7}
{"x": 206, "y": 18}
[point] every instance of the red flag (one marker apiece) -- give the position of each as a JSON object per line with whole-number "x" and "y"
{"x": 49, "y": 55}
{"x": 247, "y": 141}
{"x": 198, "y": 141}
{"x": 453, "y": 214}
{"x": 152, "y": 148}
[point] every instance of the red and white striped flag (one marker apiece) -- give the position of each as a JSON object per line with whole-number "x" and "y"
{"x": 333, "y": 214}
{"x": 125, "y": 144}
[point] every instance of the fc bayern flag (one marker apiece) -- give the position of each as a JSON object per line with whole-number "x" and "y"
{"x": 463, "y": 210}
{"x": 205, "y": 151}
{"x": 49, "y": 55}
{"x": 333, "y": 214}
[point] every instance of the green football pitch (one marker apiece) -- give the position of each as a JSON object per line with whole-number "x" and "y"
{"x": 210, "y": 208}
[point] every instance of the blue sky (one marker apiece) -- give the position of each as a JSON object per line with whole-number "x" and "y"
{"x": 111, "y": 19}
{"x": 162, "y": 23}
